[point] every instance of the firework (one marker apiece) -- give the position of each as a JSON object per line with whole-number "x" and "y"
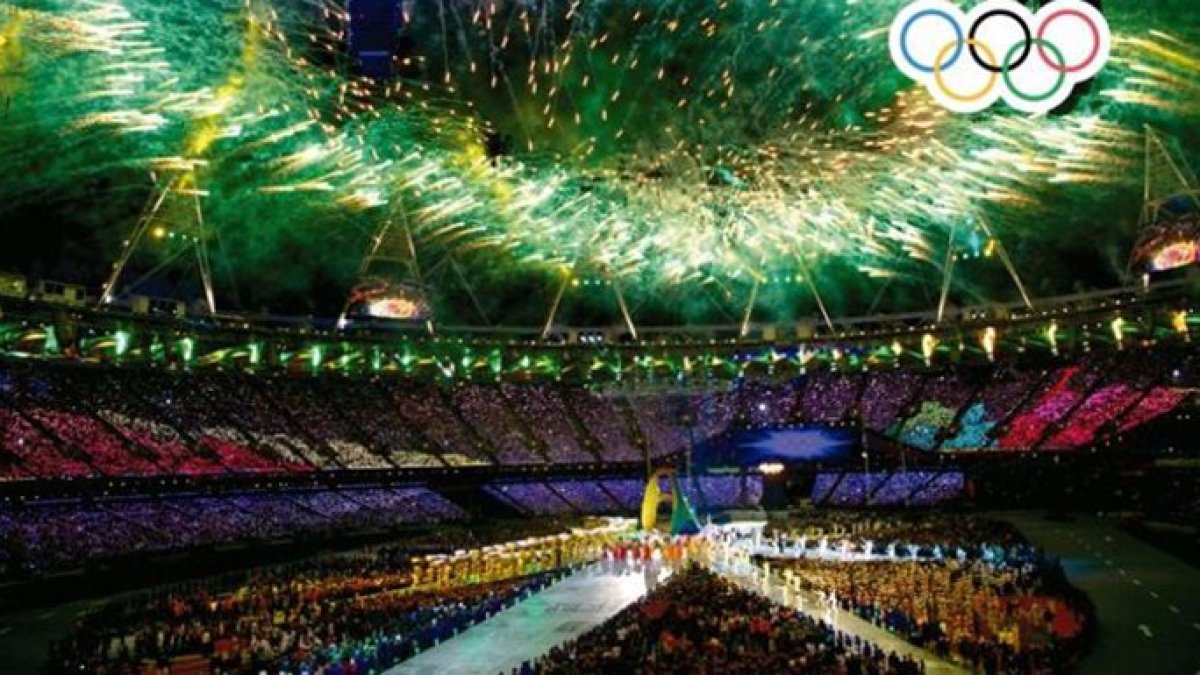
{"x": 659, "y": 144}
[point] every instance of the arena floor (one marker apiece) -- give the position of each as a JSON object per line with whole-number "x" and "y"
{"x": 25, "y": 638}
{"x": 572, "y": 607}
{"x": 1148, "y": 602}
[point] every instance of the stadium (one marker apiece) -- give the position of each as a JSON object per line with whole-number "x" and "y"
{"x": 539, "y": 337}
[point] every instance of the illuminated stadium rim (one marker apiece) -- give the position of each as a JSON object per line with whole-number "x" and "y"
{"x": 849, "y": 329}
{"x": 860, "y": 327}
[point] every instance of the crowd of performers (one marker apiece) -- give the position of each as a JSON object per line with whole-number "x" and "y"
{"x": 699, "y": 622}
{"x": 668, "y": 551}
{"x": 968, "y": 590}
{"x": 338, "y": 615}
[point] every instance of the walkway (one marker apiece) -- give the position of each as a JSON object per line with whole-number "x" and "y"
{"x": 560, "y": 613}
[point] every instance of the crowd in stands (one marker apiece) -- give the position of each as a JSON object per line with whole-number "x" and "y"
{"x": 587, "y": 496}
{"x": 556, "y": 497}
{"x": 662, "y": 426}
{"x": 727, "y": 492}
{"x": 1101, "y": 393}
{"x": 550, "y": 421}
{"x": 76, "y": 421}
{"x": 48, "y": 536}
{"x": 856, "y": 488}
{"x": 942, "y": 396}
{"x": 1064, "y": 390}
{"x": 531, "y": 498}
{"x": 944, "y": 486}
{"x": 490, "y": 419}
{"x": 997, "y": 401}
{"x": 627, "y": 492}
{"x": 608, "y": 421}
{"x": 698, "y": 622}
{"x": 374, "y": 417}
{"x": 1068, "y": 406}
{"x": 325, "y": 427}
{"x": 887, "y": 396}
{"x": 761, "y": 404}
{"x": 29, "y": 453}
{"x": 831, "y": 397}
{"x": 922, "y": 487}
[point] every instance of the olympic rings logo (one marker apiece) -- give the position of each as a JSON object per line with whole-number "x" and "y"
{"x": 1000, "y": 50}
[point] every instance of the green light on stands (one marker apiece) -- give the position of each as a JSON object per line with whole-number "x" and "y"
{"x": 187, "y": 349}
{"x": 255, "y": 353}
{"x": 315, "y": 356}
